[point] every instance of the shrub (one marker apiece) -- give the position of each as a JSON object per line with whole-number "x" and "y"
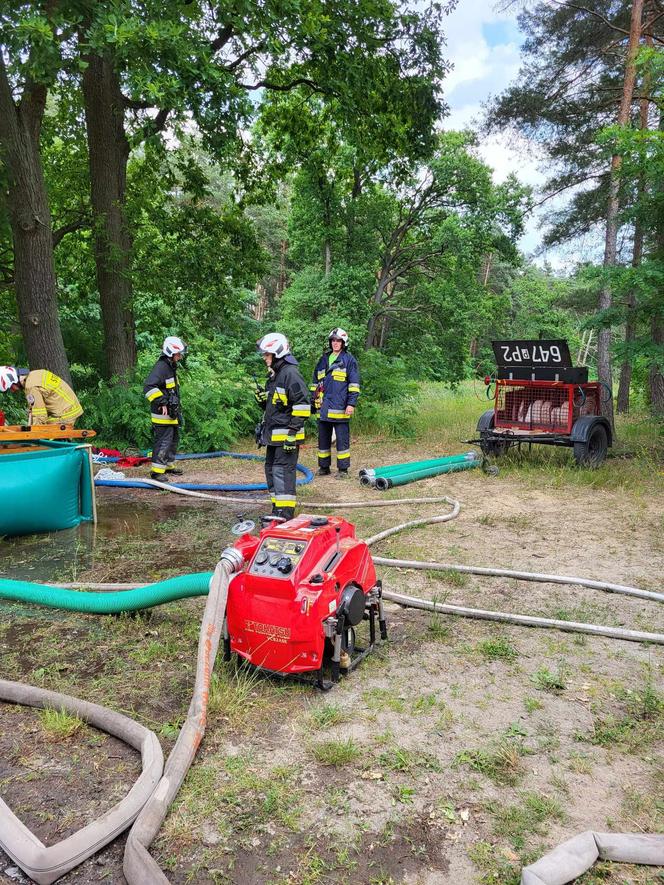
{"x": 217, "y": 402}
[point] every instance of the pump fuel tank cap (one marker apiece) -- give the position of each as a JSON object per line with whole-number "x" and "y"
{"x": 319, "y": 520}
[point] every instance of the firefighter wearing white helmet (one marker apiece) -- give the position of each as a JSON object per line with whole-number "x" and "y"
{"x": 162, "y": 391}
{"x": 285, "y": 399}
{"x": 335, "y": 389}
{"x": 50, "y": 399}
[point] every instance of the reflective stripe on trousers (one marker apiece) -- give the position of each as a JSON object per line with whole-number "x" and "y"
{"x": 342, "y": 433}
{"x": 165, "y": 438}
{"x": 280, "y": 477}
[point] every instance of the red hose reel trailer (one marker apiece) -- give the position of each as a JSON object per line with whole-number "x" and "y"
{"x": 539, "y": 397}
{"x": 306, "y": 585}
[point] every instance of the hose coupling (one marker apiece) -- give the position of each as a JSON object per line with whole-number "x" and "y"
{"x": 233, "y": 559}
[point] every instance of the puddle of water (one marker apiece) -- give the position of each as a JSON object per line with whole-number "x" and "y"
{"x": 46, "y": 557}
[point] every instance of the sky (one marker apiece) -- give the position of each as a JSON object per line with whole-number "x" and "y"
{"x": 484, "y": 45}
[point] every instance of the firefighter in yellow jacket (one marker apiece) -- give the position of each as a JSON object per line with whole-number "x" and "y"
{"x": 50, "y": 399}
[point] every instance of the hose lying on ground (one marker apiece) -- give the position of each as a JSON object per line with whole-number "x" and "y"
{"x": 46, "y": 864}
{"x": 203, "y": 486}
{"x": 139, "y": 867}
{"x": 572, "y": 858}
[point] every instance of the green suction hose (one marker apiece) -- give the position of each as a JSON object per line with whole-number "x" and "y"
{"x": 107, "y": 603}
{"x": 401, "y": 479}
{"x": 413, "y": 466}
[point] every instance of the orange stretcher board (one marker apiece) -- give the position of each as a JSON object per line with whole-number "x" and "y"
{"x": 22, "y": 433}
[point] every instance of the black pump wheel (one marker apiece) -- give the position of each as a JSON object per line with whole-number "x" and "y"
{"x": 592, "y": 452}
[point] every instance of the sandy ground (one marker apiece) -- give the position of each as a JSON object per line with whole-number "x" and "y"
{"x": 462, "y": 764}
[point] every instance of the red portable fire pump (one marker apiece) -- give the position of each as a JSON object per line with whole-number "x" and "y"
{"x": 307, "y": 584}
{"x": 539, "y": 397}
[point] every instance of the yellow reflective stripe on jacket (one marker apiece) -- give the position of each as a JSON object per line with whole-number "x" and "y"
{"x": 339, "y": 374}
{"x": 279, "y": 396}
{"x": 161, "y": 419}
{"x": 169, "y": 383}
{"x": 321, "y": 375}
{"x": 301, "y": 410}
{"x": 50, "y": 380}
{"x": 353, "y": 388}
{"x": 36, "y": 411}
{"x": 280, "y": 434}
{"x": 72, "y": 412}
{"x": 337, "y": 416}
{"x": 153, "y": 393}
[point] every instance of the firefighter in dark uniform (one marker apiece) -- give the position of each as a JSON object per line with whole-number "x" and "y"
{"x": 162, "y": 391}
{"x": 335, "y": 389}
{"x": 286, "y": 403}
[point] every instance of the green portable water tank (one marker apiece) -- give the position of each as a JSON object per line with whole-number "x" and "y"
{"x": 45, "y": 488}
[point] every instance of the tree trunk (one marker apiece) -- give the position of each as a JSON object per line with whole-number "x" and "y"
{"x": 328, "y": 258}
{"x": 656, "y": 373}
{"x": 656, "y": 370}
{"x": 637, "y": 254}
{"x": 108, "y": 151}
{"x": 30, "y": 218}
{"x": 604, "y": 338}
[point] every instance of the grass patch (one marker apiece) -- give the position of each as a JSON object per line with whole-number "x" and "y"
{"x": 235, "y": 693}
{"x": 501, "y": 762}
{"x": 532, "y": 704}
{"x": 326, "y": 716}
{"x": 233, "y": 795}
{"x": 499, "y": 649}
{"x": 438, "y": 630}
{"x": 401, "y": 759}
{"x": 383, "y": 699}
{"x": 335, "y": 753}
{"x": 517, "y": 822}
{"x": 449, "y": 576}
{"x": 496, "y": 867}
{"x": 639, "y": 725}
{"x": 425, "y": 703}
{"x": 548, "y": 680}
{"x": 58, "y": 725}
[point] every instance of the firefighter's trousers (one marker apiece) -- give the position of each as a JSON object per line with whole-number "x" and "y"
{"x": 280, "y": 477}
{"x": 342, "y": 430}
{"x": 165, "y": 438}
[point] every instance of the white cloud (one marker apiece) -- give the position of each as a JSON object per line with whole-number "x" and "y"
{"x": 482, "y": 69}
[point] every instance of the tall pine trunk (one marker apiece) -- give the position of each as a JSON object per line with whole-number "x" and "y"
{"x": 610, "y": 244}
{"x": 656, "y": 371}
{"x": 108, "y": 151}
{"x": 30, "y": 219}
{"x": 624, "y": 385}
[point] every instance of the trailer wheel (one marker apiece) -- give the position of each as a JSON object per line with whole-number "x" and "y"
{"x": 592, "y": 452}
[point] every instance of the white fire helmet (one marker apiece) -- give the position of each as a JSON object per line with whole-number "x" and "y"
{"x": 173, "y": 345}
{"x": 8, "y": 376}
{"x": 274, "y": 343}
{"x": 339, "y": 333}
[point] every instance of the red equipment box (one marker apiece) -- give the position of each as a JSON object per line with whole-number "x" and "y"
{"x": 307, "y": 584}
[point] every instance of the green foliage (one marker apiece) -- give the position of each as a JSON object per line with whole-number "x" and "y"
{"x": 216, "y": 400}
{"x": 389, "y": 397}
{"x": 314, "y": 303}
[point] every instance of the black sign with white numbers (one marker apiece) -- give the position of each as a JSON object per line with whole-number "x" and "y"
{"x": 515, "y": 354}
